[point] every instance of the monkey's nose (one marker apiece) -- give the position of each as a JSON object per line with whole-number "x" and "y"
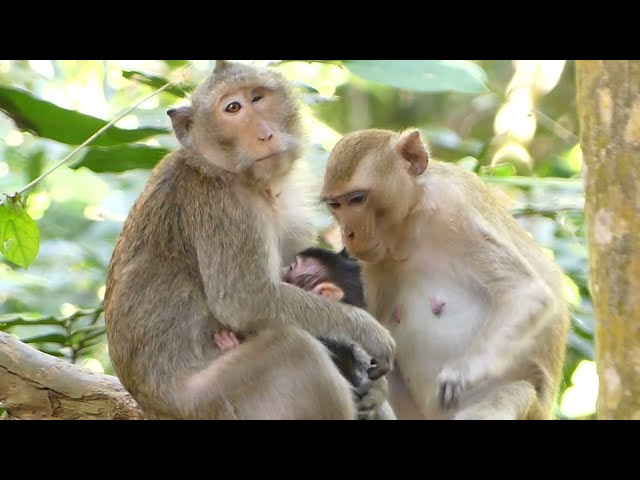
{"x": 349, "y": 233}
{"x": 266, "y": 137}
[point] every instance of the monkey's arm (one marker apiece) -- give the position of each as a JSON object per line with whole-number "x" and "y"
{"x": 296, "y": 238}
{"x": 240, "y": 274}
{"x": 520, "y": 305}
{"x": 299, "y": 231}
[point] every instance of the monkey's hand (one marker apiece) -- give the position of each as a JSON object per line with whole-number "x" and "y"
{"x": 452, "y": 381}
{"x": 378, "y": 342}
{"x": 370, "y": 397}
{"x": 226, "y": 340}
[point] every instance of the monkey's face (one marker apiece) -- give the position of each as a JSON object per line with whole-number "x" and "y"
{"x": 305, "y": 272}
{"x": 370, "y": 188}
{"x": 243, "y": 119}
{"x": 248, "y": 117}
{"x": 311, "y": 275}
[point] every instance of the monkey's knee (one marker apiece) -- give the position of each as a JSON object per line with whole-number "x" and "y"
{"x": 277, "y": 374}
{"x": 511, "y": 401}
{"x": 330, "y": 394}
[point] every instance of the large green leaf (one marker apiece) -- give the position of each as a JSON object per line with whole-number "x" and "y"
{"x": 19, "y": 234}
{"x": 120, "y": 158}
{"x": 48, "y": 120}
{"x": 158, "y": 81}
{"x": 422, "y": 75}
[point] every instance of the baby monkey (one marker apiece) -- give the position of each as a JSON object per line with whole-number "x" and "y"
{"x": 335, "y": 276}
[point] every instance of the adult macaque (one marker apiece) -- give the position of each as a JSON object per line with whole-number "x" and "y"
{"x": 474, "y": 304}
{"x": 335, "y": 276}
{"x": 201, "y": 251}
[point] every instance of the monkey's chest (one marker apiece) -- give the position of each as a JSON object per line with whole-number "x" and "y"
{"x": 435, "y": 319}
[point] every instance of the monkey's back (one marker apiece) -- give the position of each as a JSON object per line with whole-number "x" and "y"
{"x": 157, "y": 319}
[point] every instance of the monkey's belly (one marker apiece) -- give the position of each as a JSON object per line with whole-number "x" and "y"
{"x": 426, "y": 341}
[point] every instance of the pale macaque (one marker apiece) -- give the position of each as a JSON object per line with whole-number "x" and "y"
{"x": 474, "y": 304}
{"x": 202, "y": 250}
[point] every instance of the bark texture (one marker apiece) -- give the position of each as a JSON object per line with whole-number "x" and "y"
{"x": 34, "y": 385}
{"x": 608, "y": 94}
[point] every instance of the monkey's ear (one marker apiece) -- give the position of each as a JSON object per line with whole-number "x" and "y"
{"x": 221, "y": 65}
{"x": 329, "y": 290}
{"x": 410, "y": 147}
{"x": 181, "y": 120}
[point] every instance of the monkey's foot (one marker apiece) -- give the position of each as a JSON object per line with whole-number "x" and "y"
{"x": 226, "y": 340}
{"x": 451, "y": 382}
{"x": 370, "y": 397}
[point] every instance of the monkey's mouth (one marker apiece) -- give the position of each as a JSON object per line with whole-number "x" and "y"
{"x": 271, "y": 155}
{"x": 369, "y": 253}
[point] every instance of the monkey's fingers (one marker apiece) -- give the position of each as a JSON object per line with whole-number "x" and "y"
{"x": 378, "y": 369}
{"x": 446, "y": 395}
{"x": 225, "y": 340}
{"x": 450, "y": 387}
{"x": 233, "y": 339}
{"x": 363, "y": 389}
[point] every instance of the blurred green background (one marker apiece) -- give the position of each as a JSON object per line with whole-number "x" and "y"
{"x": 512, "y": 122}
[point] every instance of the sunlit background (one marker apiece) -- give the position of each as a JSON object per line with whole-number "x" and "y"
{"x": 520, "y": 135}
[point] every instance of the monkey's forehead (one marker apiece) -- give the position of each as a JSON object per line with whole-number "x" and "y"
{"x": 343, "y": 175}
{"x": 238, "y": 78}
{"x": 358, "y": 153}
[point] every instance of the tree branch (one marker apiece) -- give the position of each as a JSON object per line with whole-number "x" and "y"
{"x": 34, "y": 385}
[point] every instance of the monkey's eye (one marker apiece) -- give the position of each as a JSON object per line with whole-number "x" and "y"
{"x": 257, "y": 98}
{"x": 357, "y": 199}
{"x": 233, "y": 107}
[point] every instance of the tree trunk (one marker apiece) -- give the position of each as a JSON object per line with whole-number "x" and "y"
{"x": 34, "y": 385}
{"x": 608, "y": 94}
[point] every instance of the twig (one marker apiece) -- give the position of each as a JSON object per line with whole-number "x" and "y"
{"x": 18, "y": 319}
{"x": 545, "y": 212}
{"x": 556, "y": 128}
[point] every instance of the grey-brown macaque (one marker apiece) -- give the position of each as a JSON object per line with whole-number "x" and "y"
{"x": 201, "y": 252}
{"x": 475, "y": 305}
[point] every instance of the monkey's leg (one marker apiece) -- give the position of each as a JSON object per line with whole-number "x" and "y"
{"x": 278, "y": 374}
{"x": 511, "y": 401}
{"x": 385, "y": 412}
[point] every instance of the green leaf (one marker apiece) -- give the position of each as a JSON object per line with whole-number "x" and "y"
{"x": 53, "y": 353}
{"x": 157, "y": 81}
{"x": 501, "y": 170}
{"x": 173, "y": 64}
{"x": 422, "y": 75}
{"x": 58, "y": 338}
{"x": 48, "y": 120}
{"x": 19, "y": 234}
{"x": 120, "y": 158}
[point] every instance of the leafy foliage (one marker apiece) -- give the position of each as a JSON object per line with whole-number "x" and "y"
{"x": 422, "y": 75}
{"x": 47, "y": 120}
{"x": 120, "y": 158}
{"x": 19, "y": 234}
